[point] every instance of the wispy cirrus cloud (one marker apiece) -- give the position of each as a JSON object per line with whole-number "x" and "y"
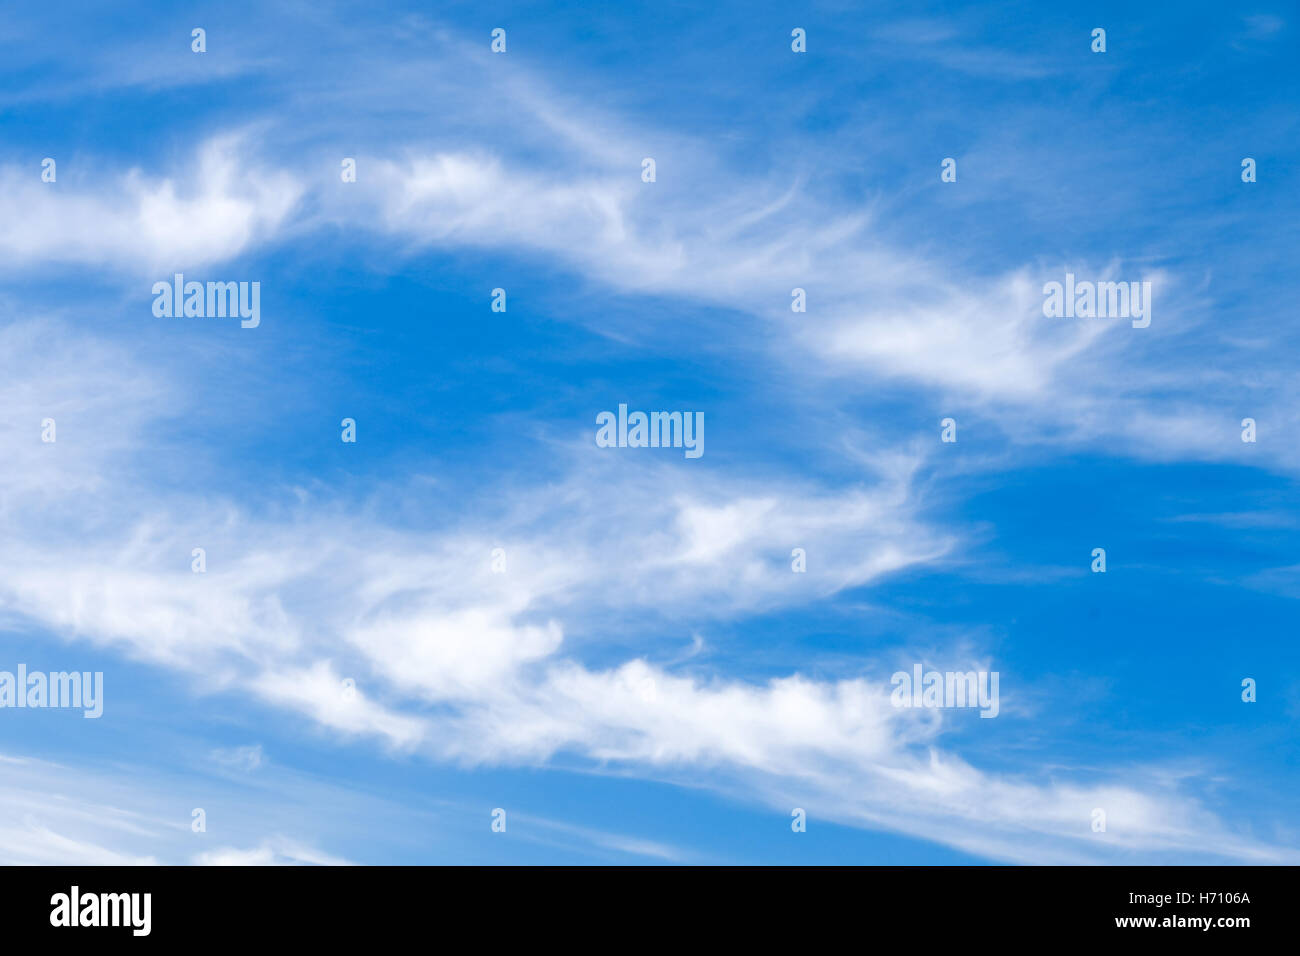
{"x": 137, "y": 223}
{"x": 368, "y": 631}
{"x": 448, "y": 659}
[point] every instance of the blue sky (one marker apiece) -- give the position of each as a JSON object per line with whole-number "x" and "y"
{"x": 649, "y": 681}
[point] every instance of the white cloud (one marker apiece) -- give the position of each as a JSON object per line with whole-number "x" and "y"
{"x": 247, "y": 758}
{"x": 27, "y": 843}
{"x": 320, "y": 693}
{"x": 618, "y": 842}
{"x": 85, "y": 812}
{"x": 145, "y": 223}
{"x": 466, "y": 665}
{"x": 880, "y": 314}
{"x": 276, "y": 851}
{"x": 45, "y": 820}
